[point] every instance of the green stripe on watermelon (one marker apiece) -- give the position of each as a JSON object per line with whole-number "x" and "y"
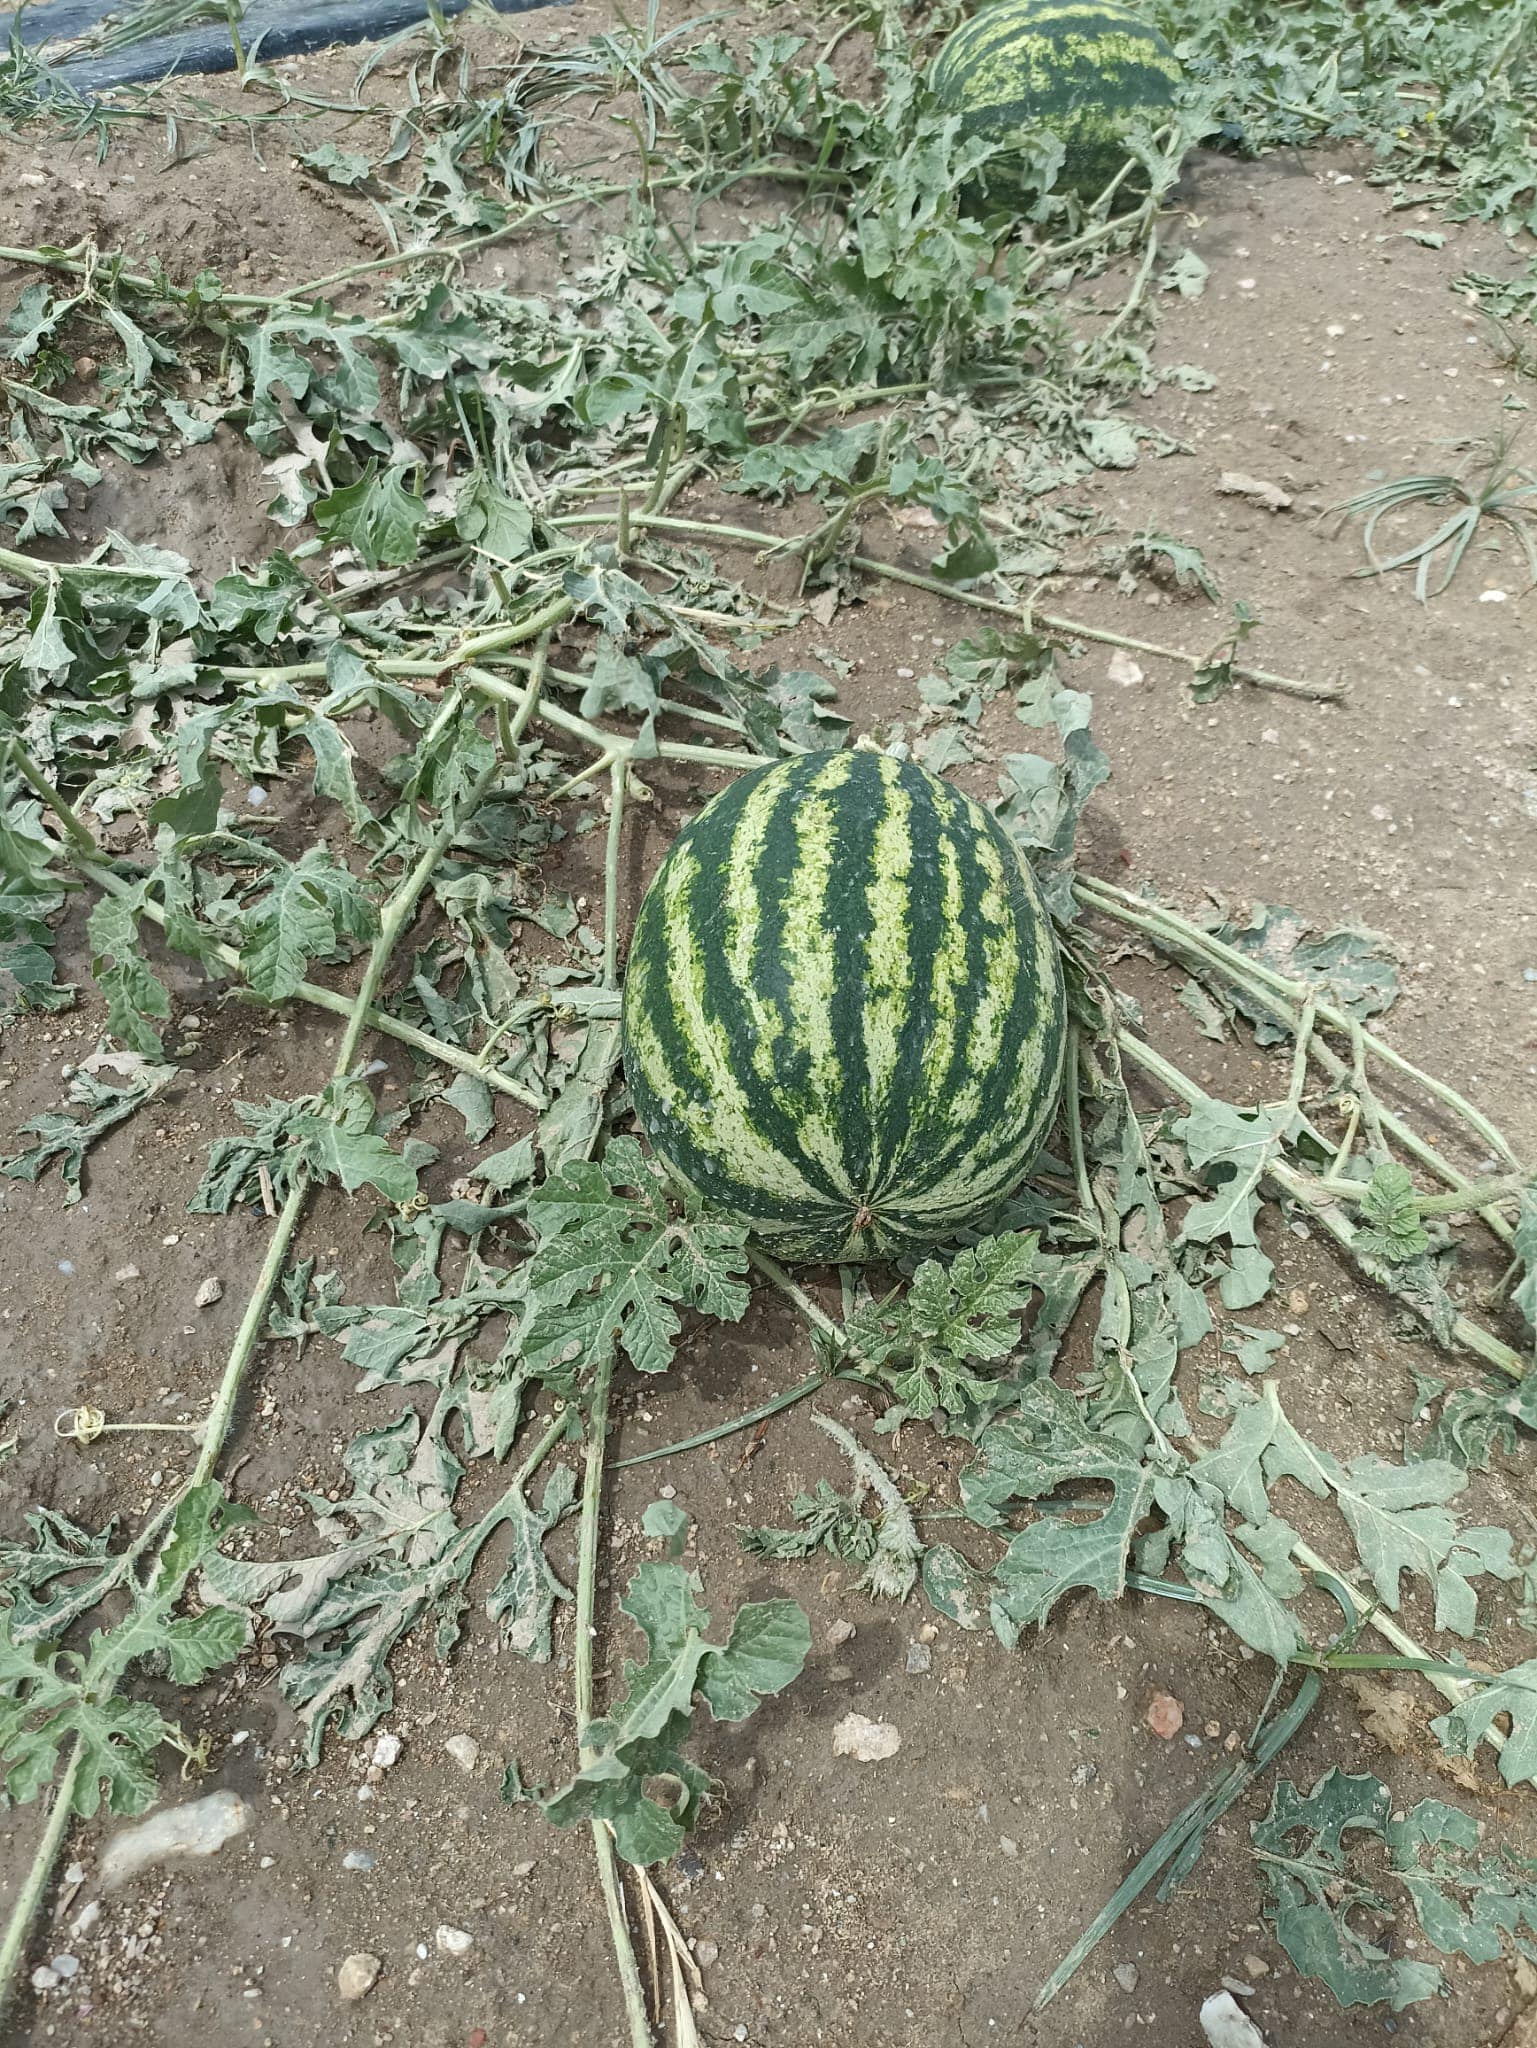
{"x": 1086, "y": 73}
{"x": 843, "y": 1017}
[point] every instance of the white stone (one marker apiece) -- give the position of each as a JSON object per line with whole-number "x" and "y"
{"x": 358, "y": 1976}
{"x": 453, "y": 1941}
{"x": 195, "y": 1828}
{"x": 464, "y": 1750}
{"x": 868, "y": 1742}
{"x": 1226, "y": 2025}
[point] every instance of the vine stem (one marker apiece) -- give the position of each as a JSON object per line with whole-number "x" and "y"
{"x": 616, "y": 784}
{"x": 44, "y": 790}
{"x": 35, "y": 1883}
{"x": 1174, "y": 932}
{"x": 497, "y": 689}
{"x": 393, "y": 921}
{"x": 340, "y": 1005}
{"x": 1309, "y": 1194}
{"x": 1452, "y": 1690}
{"x": 1265, "y": 679}
{"x": 592, "y": 1506}
{"x": 586, "y": 1590}
{"x": 794, "y": 1292}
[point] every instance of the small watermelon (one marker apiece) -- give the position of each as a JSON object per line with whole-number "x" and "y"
{"x": 1084, "y": 70}
{"x": 843, "y": 1013}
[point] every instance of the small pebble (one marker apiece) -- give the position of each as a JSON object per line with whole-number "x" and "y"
{"x": 386, "y": 1752}
{"x": 126, "y": 1273}
{"x": 44, "y": 1979}
{"x": 706, "y": 1952}
{"x": 358, "y": 1976}
{"x": 464, "y": 1750}
{"x": 838, "y": 1633}
{"x": 1126, "y": 1976}
{"x": 359, "y": 1859}
{"x": 1255, "y": 1966}
{"x": 453, "y": 1941}
{"x": 85, "y": 1919}
{"x": 1008, "y": 1846}
{"x": 211, "y": 1290}
{"x": 919, "y": 1658}
{"x": 523, "y": 1869}
{"x": 66, "y": 1966}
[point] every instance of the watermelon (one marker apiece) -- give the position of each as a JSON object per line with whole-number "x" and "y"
{"x": 1084, "y": 70}
{"x": 843, "y": 1015}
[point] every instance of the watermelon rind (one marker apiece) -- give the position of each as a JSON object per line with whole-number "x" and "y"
{"x": 1087, "y": 71}
{"x": 843, "y": 1016}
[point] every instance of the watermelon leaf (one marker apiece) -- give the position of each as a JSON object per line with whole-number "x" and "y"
{"x": 1393, "y": 1228}
{"x": 105, "y": 1103}
{"x": 638, "y": 1778}
{"x": 52, "y": 1698}
{"x": 1051, "y": 1443}
{"x": 1512, "y": 1693}
{"x": 1311, "y": 1899}
{"x": 971, "y": 1309}
{"x": 615, "y": 1266}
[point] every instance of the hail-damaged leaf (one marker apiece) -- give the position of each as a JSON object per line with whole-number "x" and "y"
{"x": 1301, "y": 1849}
{"x": 303, "y": 915}
{"x": 954, "y": 1586}
{"x": 331, "y": 1134}
{"x": 493, "y": 523}
{"x": 615, "y": 1266}
{"x": 825, "y": 1520}
{"x": 1215, "y": 1567}
{"x": 336, "y": 166}
{"x": 405, "y": 1565}
{"x": 1047, "y": 1446}
{"x": 1231, "y": 1150}
{"x": 891, "y": 1567}
{"x": 1396, "y": 1513}
{"x": 639, "y": 1778}
{"x": 136, "y": 996}
{"x": 1512, "y": 1693}
{"x": 522, "y": 1602}
{"x": 104, "y": 1104}
{"x": 59, "y": 1550}
{"x": 52, "y": 1698}
{"x": 1349, "y": 966}
{"x": 1482, "y": 1906}
{"x": 377, "y": 515}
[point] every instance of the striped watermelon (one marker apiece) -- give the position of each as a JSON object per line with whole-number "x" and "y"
{"x": 1084, "y": 70}
{"x": 843, "y": 1015}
